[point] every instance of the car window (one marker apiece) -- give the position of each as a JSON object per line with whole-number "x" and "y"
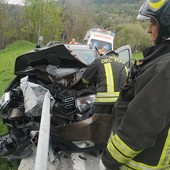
{"x": 100, "y": 44}
{"x": 89, "y": 56}
{"x": 125, "y": 54}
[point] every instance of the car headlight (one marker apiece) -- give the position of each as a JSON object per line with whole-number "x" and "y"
{"x": 4, "y": 100}
{"x": 85, "y": 103}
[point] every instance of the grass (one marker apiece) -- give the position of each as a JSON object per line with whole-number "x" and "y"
{"x": 8, "y": 165}
{"x": 7, "y": 57}
{"x": 137, "y": 56}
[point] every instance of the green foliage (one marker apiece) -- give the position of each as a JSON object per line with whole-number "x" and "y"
{"x": 133, "y": 34}
{"x": 49, "y": 18}
{"x": 102, "y": 1}
{"x": 137, "y": 55}
{"x": 40, "y": 17}
{"x": 78, "y": 18}
{"x": 4, "y": 21}
{"x": 9, "y": 165}
{"x": 3, "y": 128}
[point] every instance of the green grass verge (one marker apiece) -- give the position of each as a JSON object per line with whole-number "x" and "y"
{"x": 137, "y": 56}
{"x": 8, "y": 57}
{"x": 9, "y": 165}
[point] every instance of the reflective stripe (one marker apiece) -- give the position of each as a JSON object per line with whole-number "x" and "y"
{"x": 119, "y": 150}
{"x": 105, "y": 100}
{"x": 103, "y": 94}
{"x": 126, "y": 150}
{"x": 109, "y": 77}
{"x": 164, "y": 163}
{"x": 165, "y": 157}
{"x": 85, "y": 81}
{"x": 140, "y": 166}
{"x": 106, "y": 97}
{"x": 116, "y": 154}
{"x": 157, "y": 5}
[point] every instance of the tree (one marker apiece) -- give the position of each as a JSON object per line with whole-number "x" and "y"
{"x": 133, "y": 34}
{"x": 4, "y": 23}
{"x": 78, "y": 18}
{"x": 41, "y": 17}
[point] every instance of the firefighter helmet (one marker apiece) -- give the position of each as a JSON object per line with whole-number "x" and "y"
{"x": 160, "y": 11}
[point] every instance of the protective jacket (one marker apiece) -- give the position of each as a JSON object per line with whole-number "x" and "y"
{"x": 108, "y": 73}
{"x": 141, "y": 139}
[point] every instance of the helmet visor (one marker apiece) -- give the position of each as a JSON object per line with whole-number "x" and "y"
{"x": 143, "y": 14}
{"x": 142, "y": 17}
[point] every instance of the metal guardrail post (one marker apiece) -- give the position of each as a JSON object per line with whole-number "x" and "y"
{"x": 43, "y": 139}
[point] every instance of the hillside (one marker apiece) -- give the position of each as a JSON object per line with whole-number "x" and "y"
{"x": 109, "y": 15}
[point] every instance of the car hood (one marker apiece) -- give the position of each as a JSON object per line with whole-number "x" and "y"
{"x": 57, "y": 55}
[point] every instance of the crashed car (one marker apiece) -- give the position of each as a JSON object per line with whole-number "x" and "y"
{"x": 55, "y": 70}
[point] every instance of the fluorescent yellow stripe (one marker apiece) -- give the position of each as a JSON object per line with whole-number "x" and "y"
{"x": 106, "y": 97}
{"x": 165, "y": 157}
{"x": 168, "y": 160}
{"x": 105, "y": 100}
{"x": 109, "y": 77}
{"x": 85, "y": 81}
{"x": 156, "y": 5}
{"x": 103, "y": 94}
{"x": 119, "y": 150}
{"x": 116, "y": 154}
{"x": 125, "y": 146}
{"x": 141, "y": 166}
{"x": 164, "y": 163}
{"x": 128, "y": 152}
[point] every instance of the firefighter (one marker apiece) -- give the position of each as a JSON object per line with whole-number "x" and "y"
{"x": 108, "y": 74}
{"x": 141, "y": 140}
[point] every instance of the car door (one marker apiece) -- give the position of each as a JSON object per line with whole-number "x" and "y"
{"x": 125, "y": 53}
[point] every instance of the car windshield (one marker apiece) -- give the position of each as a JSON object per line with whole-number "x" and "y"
{"x": 89, "y": 56}
{"x": 100, "y": 44}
